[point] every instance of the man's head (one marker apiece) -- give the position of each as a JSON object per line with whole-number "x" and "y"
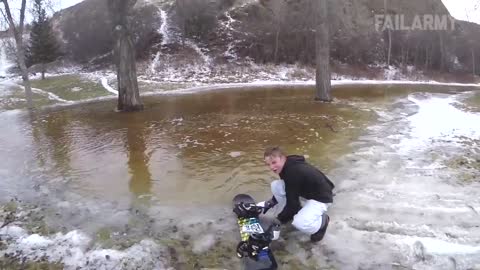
{"x": 275, "y": 159}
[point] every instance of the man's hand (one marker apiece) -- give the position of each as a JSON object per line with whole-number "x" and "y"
{"x": 267, "y": 204}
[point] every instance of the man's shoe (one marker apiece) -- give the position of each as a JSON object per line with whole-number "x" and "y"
{"x": 318, "y": 236}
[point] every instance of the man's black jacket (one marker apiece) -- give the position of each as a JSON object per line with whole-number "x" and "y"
{"x": 303, "y": 180}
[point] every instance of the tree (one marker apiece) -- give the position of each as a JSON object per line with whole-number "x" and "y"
{"x": 473, "y": 62}
{"x": 279, "y": 10}
{"x": 124, "y": 56}
{"x": 43, "y": 47}
{"x": 389, "y": 53}
{"x": 477, "y": 6}
{"x": 17, "y": 31}
{"x": 323, "y": 76}
{"x": 196, "y": 18}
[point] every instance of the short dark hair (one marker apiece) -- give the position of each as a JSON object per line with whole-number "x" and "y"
{"x": 273, "y": 151}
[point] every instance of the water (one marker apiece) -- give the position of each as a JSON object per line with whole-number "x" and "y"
{"x": 179, "y": 145}
{"x": 169, "y": 173}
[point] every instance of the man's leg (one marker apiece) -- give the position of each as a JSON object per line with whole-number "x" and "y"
{"x": 278, "y": 191}
{"x": 318, "y": 236}
{"x": 309, "y": 218}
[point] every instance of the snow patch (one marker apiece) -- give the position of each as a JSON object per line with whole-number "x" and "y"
{"x": 230, "y": 20}
{"x": 5, "y": 91}
{"x": 229, "y": 53}
{"x": 12, "y": 112}
{"x": 107, "y": 87}
{"x": 34, "y": 241}
{"x": 14, "y": 232}
{"x": 164, "y": 28}
{"x": 74, "y": 251}
{"x": 5, "y": 64}
{"x": 206, "y": 59}
{"x": 392, "y": 73}
{"x": 50, "y": 95}
{"x": 352, "y": 82}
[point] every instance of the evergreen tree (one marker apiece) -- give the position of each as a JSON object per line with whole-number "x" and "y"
{"x": 43, "y": 47}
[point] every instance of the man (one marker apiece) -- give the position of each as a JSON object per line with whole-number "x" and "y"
{"x": 299, "y": 179}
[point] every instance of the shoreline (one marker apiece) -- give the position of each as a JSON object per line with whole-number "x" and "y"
{"x": 104, "y": 82}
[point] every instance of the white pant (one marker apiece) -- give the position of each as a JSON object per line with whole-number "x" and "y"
{"x": 309, "y": 218}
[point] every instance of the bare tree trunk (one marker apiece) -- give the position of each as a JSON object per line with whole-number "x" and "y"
{"x": 389, "y": 54}
{"x": 389, "y": 47}
{"x": 426, "y": 57}
{"x": 403, "y": 56}
{"x": 277, "y": 37}
{"x": 124, "y": 55}
{"x": 442, "y": 52}
{"x": 407, "y": 55}
{"x": 128, "y": 93}
{"x": 24, "y": 71}
{"x": 181, "y": 8}
{"x": 43, "y": 71}
{"x": 473, "y": 62}
{"x": 20, "y": 49}
{"x": 278, "y": 9}
{"x": 415, "y": 59}
{"x": 323, "y": 76}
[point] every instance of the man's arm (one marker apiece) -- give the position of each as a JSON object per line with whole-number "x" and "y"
{"x": 292, "y": 189}
{"x": 330, "y": 183}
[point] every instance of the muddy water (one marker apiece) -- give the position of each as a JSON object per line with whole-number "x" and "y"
{"x": 169, "y": 172}
{"x": 200, "y": 148}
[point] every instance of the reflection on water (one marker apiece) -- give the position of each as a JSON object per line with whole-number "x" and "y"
{"x": 138, "y": 161}
{"x": 197, "y": 148}
{"x": 53, "y": 141}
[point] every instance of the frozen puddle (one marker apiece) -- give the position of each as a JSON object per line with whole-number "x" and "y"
{"x": 436, "y": 246}
{"x": 397, "y": 204}
{"x": 438, "y": 120}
